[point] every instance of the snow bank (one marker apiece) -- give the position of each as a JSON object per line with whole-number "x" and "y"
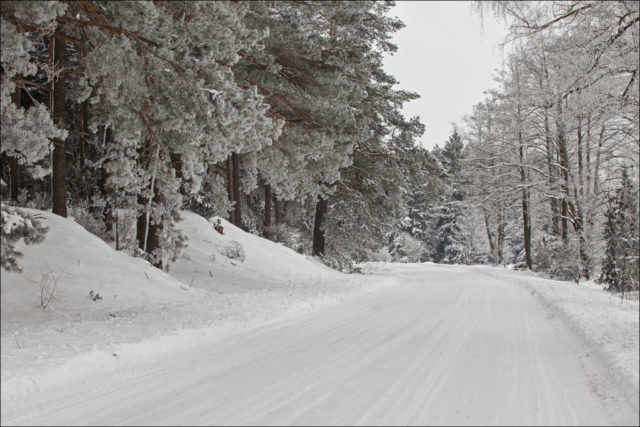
{"x": 144, "y": 312}
{"x": 607, "y": 325}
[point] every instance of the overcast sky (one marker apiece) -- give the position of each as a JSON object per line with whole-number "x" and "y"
{"x": 444, "y": 56}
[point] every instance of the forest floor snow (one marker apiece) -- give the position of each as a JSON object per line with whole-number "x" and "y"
{"x": 296, "y": 342}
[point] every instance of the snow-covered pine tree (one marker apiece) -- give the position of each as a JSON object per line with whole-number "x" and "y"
{"x": 163, "y": 83}
{"x": 445, "y": 217}
{"x": 27, "y": 130}
{"x": 425, "y": 191}
{"x": 17, "y": 225}
{"x": 621, "y": 263}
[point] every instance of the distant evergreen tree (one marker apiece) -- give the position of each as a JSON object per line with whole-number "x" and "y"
{"x": 443, "y": 245}
{"x": 621, "y": 264}
{"x": 424, "y": 191}
{"x": 451, "y": 157}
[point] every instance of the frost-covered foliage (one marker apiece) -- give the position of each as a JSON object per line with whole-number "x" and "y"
{"x": 17, "y": 225}
{"x": 159, "y": 95}
{"x": 92, "y": 222}
{"x": 405, "y": 248}
{"x": 547, "y": 145}
{"x": 26, "y": 132}
{"x": 621, "y": 263}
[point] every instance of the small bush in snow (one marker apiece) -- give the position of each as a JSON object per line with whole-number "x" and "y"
{"x": 50, "y": 294}
{"x": 234, "y": 250}
{"x": 377, "y": 269}
{"x": 340, "y": 263}
{"x": 18, "y": 225}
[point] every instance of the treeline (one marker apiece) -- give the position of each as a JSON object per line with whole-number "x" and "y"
{"x": 548, "y": 176}
{"x": 277, "y": 115}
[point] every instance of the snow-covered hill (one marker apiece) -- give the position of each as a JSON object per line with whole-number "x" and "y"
{"x": 145, "y": 312}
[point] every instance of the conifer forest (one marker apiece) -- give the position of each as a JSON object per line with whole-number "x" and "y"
{"x": 279, "y": 116}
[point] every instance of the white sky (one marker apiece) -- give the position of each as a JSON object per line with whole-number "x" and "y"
{"x": 444, "y": 56}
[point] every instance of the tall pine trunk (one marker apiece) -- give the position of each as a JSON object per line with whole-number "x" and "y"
{"x": 148, "y": 228}
{"x": 236, "y": 190}
{"x": 57, "y": 52}
{"x": 318, "y": 227}
{"x": 83, "y": 132}
{"x": 267, "y": 211}
{"x": 277, "y": 204}
{"x": 105, "y": 191}
{"x": 232, "y": 216}
{"x": 501, "y": 235}
{"x": 526, "y": 214}
{"x": 564, "y": 165}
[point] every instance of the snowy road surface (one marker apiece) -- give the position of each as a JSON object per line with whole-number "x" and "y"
{"x": 447, "y": 346}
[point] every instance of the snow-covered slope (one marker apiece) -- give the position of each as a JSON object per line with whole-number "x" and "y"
{"x": 145, "y": 312}
{"x": 205, "y": 261}
{"x": 87, "y": 264}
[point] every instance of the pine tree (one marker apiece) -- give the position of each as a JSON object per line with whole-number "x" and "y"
{"x": 17, "y": 225}
{"x": 621, "y": 264}
{"x": 445, "y": 226}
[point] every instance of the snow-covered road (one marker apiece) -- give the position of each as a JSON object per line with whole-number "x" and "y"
{"x": 447, "y": 346}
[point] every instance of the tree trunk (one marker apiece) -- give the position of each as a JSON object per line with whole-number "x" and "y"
{"x": 580, "y": 165}
{"x": 107, "y": 194}
{"x": 526, "y": 219}
{"x": 148, "y": 229}
{"x": 232, "y": 218}
{"x": 500, "y": 237}
{"x": 148, "y": 233}
{"x": 176, "y": 162}
{"x": 14, "y": 174}
{"x": 278, "y": 208}
{"x": 83, "y": 127}
{"x": 555, "y": 211}
{"x": 155, "y": 229}
{"x": 564, "y": 164}
{"x": 141, "y": 223}
{"x": 587, "y": 151}
{"x": 236, "y": 190}
{"x": 596, "y": 171}
{"x": 318, "y": 227}
{"x": 57, "y": 51}
{"x": 492, "y": 248}
{"x": 267, "y": 211}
